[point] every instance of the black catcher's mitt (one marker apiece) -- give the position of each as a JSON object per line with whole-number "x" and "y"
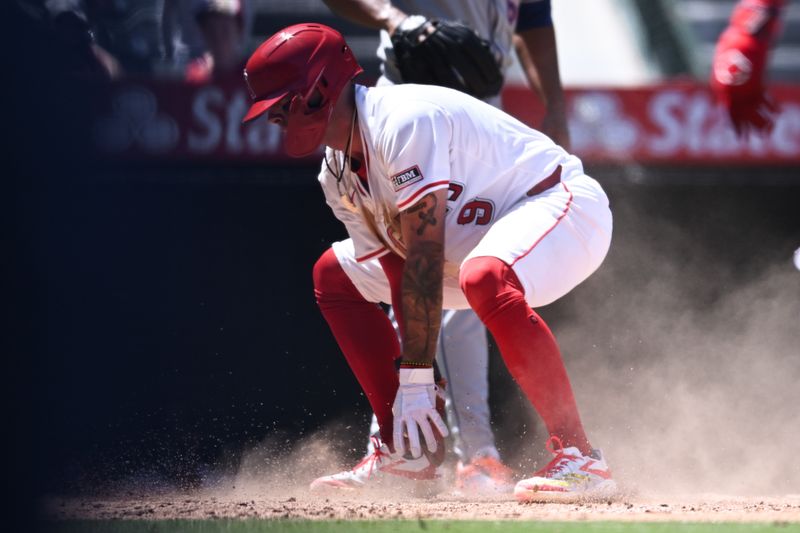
{"x": 447, "y": 53}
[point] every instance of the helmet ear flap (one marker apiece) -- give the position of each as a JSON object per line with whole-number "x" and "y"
{"x": 306, "y": 124}
{"x": 317, "y": 97}
{"x": 320, "y": 87}
{"x": 301, "y": 105}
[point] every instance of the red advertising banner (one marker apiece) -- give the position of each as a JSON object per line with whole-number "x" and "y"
{"x": 668, "y": 124}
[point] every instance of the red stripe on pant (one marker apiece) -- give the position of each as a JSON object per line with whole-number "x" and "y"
{"x": 528, "y": 347}
{"x": 364, "y": 334}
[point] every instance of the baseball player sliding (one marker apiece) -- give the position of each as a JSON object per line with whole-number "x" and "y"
{"x": 465, "y": 45}
{"x": 463, "y": 206}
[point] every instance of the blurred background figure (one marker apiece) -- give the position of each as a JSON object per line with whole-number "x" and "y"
{"x": 522, "y": 26}
{"x": 209, "y": 37}
{"x": 193, "y": 40}
{"x": 738, "y": 74}
{"x": 64, "y": 36}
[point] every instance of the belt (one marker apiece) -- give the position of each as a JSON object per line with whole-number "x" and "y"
{"x": 550, "y": 181}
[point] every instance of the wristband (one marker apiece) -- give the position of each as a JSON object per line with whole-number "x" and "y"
{"x": 414, "y": 364}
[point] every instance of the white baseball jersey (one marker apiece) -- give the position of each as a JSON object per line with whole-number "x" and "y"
{"x": 462, "y": 351}
{"x": 494, "y": 20}
{"x": 422, "y": 138}
{"x": 419, "y": 139}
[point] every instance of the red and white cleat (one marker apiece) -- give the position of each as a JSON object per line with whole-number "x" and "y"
{"x": 383, "y": 469}
{"x": 570, "y": 476}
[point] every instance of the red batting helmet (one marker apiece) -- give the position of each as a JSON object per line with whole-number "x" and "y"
{"x": 296, "y": 61}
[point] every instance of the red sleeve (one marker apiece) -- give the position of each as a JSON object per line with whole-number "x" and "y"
{"x": 740, "y": 62}
{"x": 393, "y": 266}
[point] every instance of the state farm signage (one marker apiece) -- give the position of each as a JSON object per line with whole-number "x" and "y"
{"x": 679, "y": 124}
{"x": 173, "y": 120}
{"x": 670, "y": 124}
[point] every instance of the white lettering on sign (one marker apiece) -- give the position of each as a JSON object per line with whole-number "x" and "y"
{"x": 694, "y": 123}
{"x": 786, "y": 134}
{"x": 662, "y": 110}
{"x": 217, "y": 125}
{"x": 207, "y": 138}
{"x": 238, "y": 106}
{"x": 697, "y": 108}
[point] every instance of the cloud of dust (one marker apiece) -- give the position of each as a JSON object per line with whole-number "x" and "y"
{"x": 686, "y": 370}
{"x": 278, "y": 467}
{"x": 687, "y": 376}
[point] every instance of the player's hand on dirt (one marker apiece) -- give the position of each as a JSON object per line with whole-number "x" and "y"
{"x": 415, "y": 411}
{"x": 740, "y": 60}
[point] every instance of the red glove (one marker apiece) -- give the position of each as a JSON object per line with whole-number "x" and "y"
{"x": 737, "y": 74}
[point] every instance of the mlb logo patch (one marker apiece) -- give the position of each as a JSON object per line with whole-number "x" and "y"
{"x": 406, "y": 178}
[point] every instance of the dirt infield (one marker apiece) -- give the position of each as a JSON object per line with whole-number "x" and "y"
{"x": 247, "y": 504}
{"x": 695, "y": 417}
{"x": 274, "y": 485}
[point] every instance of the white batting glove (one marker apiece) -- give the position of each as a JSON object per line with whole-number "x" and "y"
{"x": 414, "y": 410}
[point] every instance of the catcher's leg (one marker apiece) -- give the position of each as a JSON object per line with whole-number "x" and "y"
{"x": 364, "y": 334}
{"x": 463, "y": 357}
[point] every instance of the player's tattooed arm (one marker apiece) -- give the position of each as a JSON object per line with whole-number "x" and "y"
{"x": 422, "y": 226}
